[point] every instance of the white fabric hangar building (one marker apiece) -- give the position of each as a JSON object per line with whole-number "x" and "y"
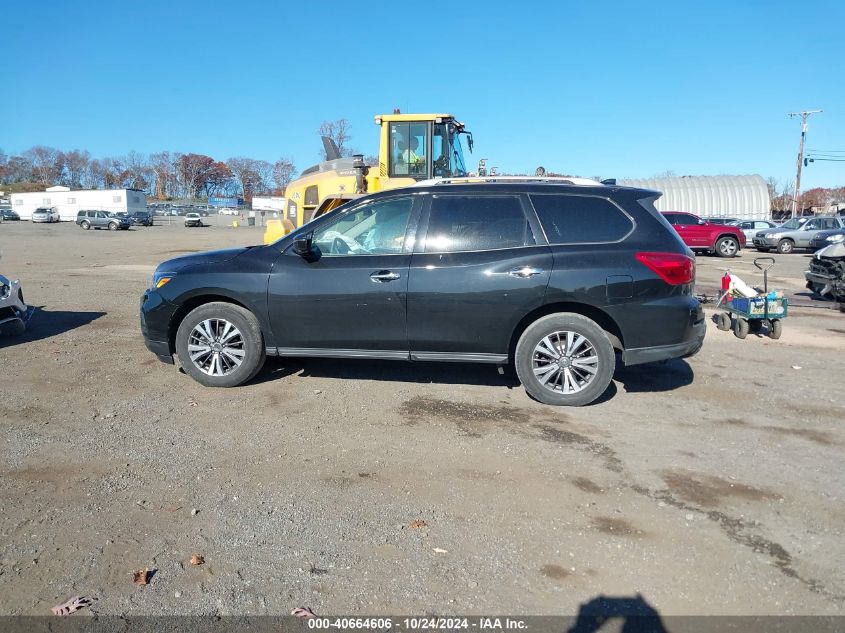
{"x": 68, "y": 202}
{"x": 743, "y": 197}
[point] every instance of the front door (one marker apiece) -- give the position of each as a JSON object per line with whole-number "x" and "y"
{"x": 477, "y": 269}
{"x": 691, "y": 231}
{"x": 351, "y": 300}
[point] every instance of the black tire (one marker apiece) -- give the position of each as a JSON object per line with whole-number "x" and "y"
{"x": 775, "y": 329}
{"x": 727, "y": 246}
{"x": 253, "y": 343}
{"x": 112, "y": 226}
{"x": 740, "y": 327}
{"x": 786, "y": 246}
{"x": 723, "y": 321}
{"x": 524, "y": 359}
{"x": 85, "y": 225}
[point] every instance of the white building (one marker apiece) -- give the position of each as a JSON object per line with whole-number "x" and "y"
{"x": 69, "y": 202}
{"x": 272, "y": 203}
{"x": 744, "y": 197}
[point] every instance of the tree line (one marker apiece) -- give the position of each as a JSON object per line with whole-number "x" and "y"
{"x": 782, "y": 193}
{"x": 161, "y": 175}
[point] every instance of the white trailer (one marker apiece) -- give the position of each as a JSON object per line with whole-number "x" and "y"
{"x": 70, "y": 202}
{"x": 272, "y": 204}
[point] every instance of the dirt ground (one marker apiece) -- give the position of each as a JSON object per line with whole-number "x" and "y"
{"x": 709, "y": 486}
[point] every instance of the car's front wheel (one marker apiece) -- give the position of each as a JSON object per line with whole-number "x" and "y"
{"x": 564, "y": 359}
{"x": 727, "y": 247}
{"x": 786, "y": 246}
{"x": 112, "y": 226}
{"x": 220, "y": 345}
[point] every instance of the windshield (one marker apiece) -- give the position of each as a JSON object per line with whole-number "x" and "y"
{"x": 794, "y": 223}
{"x": 447, "y": 151}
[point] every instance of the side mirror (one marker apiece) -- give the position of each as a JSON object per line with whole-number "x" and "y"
{"x": 303, "y": 247}
{"x": 700, "y": 221}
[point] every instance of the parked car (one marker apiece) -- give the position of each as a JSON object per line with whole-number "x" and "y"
{"x": 141, "y": 218}
{"x": 12, "y": 307}
{"x": 823, "y": 239}
{"x": 6, "y": 213}
{"x": 826, "y": 275}
{"x": 551, "y": 278}
{"x": 227, "y": 211}
{"x": 700, "y": 235}
{"x": 46, "y": 214}
{"x": 193, "y": 219}
{"x": 751, "y": 227}
{"x": 796, "y": 233}
{"x": 102, "y": 220}
{"x": 721, "y": 220}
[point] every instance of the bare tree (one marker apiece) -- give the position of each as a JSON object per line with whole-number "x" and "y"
{"x": 164, "y": 173}
{"x": 76, "y": 166}
{"x": 47, "y": 164}
{"x": 338, "y": 131}
{"x": 283, "y": 171}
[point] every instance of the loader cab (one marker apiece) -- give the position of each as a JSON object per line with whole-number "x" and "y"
{"x": 420, "y": 147}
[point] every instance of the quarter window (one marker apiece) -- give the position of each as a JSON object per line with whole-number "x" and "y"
{"x": 372, "y": 229}
{"x": 476, "y": 223}
{"x": 574, "y": 219}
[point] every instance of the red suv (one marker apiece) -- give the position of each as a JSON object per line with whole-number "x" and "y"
{"x": 701, "y": 235}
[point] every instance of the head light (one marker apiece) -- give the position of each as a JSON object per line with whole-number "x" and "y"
{"x": 770, "y": 235}
{"x": 836, "y": 238}
{"x": 160, "y": 279}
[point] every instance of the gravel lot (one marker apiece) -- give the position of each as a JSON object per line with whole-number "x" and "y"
{"x": 709, "y": 486}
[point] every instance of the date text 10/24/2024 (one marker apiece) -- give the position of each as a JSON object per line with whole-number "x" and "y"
{"x": 418, "y": 623}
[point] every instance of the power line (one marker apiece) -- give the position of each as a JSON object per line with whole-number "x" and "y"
{"x": 804, "y": 116}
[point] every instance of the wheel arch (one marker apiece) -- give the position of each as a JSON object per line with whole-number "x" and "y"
{"x": 193, "y": 303}
{"x": 602, "y": 319}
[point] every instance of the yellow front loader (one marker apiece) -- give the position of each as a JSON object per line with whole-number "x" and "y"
{"x": 412, "y": 147}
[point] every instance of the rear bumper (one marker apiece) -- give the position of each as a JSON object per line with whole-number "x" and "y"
{"x": 689, "y": 346}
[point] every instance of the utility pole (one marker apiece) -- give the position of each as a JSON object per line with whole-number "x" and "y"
{"x": 804, "y": 115}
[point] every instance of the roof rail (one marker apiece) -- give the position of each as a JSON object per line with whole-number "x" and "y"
{"x": 465, "y": 180}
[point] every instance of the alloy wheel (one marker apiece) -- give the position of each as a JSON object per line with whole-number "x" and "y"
{"x": 216, "y": 347}
{"x": 565, "y": 362}
{"x": 728, "y": 247}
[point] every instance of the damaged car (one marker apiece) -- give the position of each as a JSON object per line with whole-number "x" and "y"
{"x": 826, "y": 276}
{"x": 12, "y": 307}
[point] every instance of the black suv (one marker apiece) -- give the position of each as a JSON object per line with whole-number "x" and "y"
{"x": 141, "y": 218}
{"x": 550, "y": 277}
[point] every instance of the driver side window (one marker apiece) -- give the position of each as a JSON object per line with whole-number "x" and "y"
{"x": 377, "y": 228}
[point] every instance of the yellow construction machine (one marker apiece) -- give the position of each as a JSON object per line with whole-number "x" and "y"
{"x": 412, "y": 147}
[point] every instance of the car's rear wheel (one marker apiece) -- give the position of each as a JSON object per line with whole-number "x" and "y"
{"x": 727, "y": 247}
{"x": 220, "y": 345}
{"x": 85, "y": 225}
{"x": 564, "y": 359}
{"x": 786, "y": 246}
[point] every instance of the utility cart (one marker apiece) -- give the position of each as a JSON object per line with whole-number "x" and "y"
{"x": 751, "y": 314}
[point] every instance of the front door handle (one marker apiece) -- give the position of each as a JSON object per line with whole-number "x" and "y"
{"x": 524, "y": 272}
{"x": 383, "y": 276}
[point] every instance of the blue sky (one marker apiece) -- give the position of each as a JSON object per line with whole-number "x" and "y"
{"x": 605, "y": 89}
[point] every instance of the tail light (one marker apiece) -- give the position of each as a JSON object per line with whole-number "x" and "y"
{"x": 674, "y": 268}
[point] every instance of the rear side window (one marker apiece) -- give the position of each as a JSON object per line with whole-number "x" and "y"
{"x": 476, "y": 223}
{"x": 572, "y": 219}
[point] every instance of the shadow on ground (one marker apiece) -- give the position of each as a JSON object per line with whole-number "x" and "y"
{"x": 46, "y": 323}
{"x": 626, "y": 614}
{"x": 641, "y": 378}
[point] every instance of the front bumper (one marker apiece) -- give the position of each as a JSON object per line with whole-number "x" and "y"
{"x": 12, "y": 306}
{"x": 765, "y": 242}
{"x": 155, "y": 315}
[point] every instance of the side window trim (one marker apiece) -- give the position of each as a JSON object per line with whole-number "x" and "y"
{"x": 586, "y": 195}
{"x": 425, "y": 216}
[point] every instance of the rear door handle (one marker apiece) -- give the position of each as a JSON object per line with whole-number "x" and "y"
{"x": 524, "y": 272}
{"x": 382, "y": 276}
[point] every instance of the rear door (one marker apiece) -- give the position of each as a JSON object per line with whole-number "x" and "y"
{"x": 480, "y": 263}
